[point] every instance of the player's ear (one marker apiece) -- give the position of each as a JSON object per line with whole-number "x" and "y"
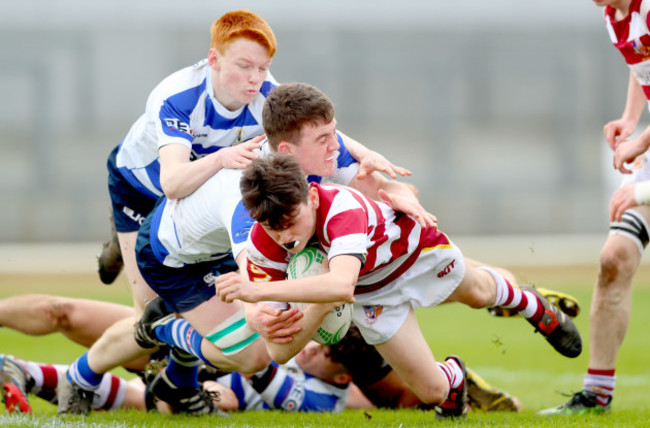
{"x": 213, "y": 59}
{"x": 342, "y": 379}
{"x": 284, "y": 147}
{"x": 313, "y": 197}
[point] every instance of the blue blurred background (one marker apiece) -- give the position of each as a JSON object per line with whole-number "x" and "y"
{"x": 497, "y": 107}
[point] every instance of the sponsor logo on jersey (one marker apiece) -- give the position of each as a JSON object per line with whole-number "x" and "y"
{"x": 258, "y": 274}
{"x": 372, "y": 312}
{"x": 447, "y": 269}
{"x": 137, "y": 217}
{"x": 640, "y": 49}
{"x": 174, "y": 123}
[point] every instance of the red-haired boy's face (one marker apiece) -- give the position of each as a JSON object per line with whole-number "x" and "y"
{"x": 239, "y": 72}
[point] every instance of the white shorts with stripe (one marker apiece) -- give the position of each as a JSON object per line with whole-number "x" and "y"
{"x": 432, "y": 278}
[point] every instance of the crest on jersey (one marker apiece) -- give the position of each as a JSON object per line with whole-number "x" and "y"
{"x": 640, "y": 48}
{"x": 372, "y": 312}
{"x": 239, "y": 136}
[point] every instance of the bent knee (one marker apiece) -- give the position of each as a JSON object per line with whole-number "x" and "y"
{"x": 617, "y": 261}
{"x": 254, "y": 364}
{"x": 435, "y": 395}
{"x": 58, "y": 311}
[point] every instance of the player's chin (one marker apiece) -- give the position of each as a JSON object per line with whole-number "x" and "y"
{"x": 327, "y": 169}
{"x": 247, "y": 97}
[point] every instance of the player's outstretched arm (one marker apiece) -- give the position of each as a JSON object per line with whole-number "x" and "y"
{"x": 337, "y": 285}
{"x": 399, "y": 196}
{"x": 313, "y": 317}
{"x": 371, "y": 161}
{"x": 180, "y": 177}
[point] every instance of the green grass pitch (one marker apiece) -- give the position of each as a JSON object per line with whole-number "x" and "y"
{"x": 505, "y": 352}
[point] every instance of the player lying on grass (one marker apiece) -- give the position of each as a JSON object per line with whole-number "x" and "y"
{"x": 317, "y": 379}
{"x": 383, "y": 260}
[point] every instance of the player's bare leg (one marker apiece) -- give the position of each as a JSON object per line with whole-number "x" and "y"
{"x": 211, "y": 313}
{"x": 410, "y": 356}
{"x": 610, "y": 314}
{"x": 139, "y": 287}
{"x": 612, "y": 300}
{"x": 470, "y": 263}
{"x": 214, "y": 332}
{"x": 80, "y": 320}
{"x": 417, "y": 367}
{"x": 115, "y": 347}
{"x": 484, "y": 287}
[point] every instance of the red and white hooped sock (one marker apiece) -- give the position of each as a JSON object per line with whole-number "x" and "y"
{"x": 512, "y": 297}
{"x": 453, "y": 372}
{"x": 601, "y": 382}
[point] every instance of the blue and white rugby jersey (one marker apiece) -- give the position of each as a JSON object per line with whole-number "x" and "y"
{"x": 209, "y": 224}
{"x": 182, "y": 109}
{"x": 290, "y": 389}
{"x": 212, "y": 221}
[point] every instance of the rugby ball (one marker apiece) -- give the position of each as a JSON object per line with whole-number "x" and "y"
{"x": 313, "y": 261}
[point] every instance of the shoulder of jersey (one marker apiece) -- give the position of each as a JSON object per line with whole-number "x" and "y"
{"x": 199, "y": 65}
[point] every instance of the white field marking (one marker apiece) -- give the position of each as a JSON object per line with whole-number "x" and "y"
{"x": 515, "y": 376}
{"x": 26, "y": 420}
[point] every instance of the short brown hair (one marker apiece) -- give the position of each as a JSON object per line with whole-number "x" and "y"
{"x": 272, "y": 188}
{"x": 289, "y": 107}
{"x": 242, "y": 23}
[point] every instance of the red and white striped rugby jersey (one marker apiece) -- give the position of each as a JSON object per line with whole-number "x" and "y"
{"x": 349, "y": 223}
{"x": 631, "y": 37}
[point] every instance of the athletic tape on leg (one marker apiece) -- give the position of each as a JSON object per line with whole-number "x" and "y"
{"x": 634, "y": 226}
{"x": 233, "y": 335}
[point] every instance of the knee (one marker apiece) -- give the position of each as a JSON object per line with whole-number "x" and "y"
{"x": 435, "y": 394}
{"x": 479, "y": 297}
{"x": 254, "y": 363}
{"x": 616, "y": 262}
{"x": 57, "y": 311}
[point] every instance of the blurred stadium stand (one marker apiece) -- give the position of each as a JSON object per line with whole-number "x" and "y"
{"x": 497, "y": 107}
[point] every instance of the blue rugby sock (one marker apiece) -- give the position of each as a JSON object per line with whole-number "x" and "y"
{"x": 183, "y": 369}
{"x": 80, "y": 373}
{"x": 181, "y": 334}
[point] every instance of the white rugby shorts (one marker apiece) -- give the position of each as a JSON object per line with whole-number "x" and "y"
{"x": 429, "y": 282}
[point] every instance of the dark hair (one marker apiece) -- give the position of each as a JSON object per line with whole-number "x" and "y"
{"x": 272, "y": 188}
{"x": 289, "y": 107}
{"x": 362, "y": 361}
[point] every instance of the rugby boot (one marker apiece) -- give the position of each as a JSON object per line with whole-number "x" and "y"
{"x": 567, "y": 304}
{"x": 556, "y": 327}
{"x": 193, "y": 401}
{"x": 72, "y": 399}
{"x": 155, "y": 314}
{"x": 582, "y": 402}
{"x": 15, "y": 383}
{"x": 456, "y": 404}
{"x": 483, "y": 396}
{"x": 109, "y": 261}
